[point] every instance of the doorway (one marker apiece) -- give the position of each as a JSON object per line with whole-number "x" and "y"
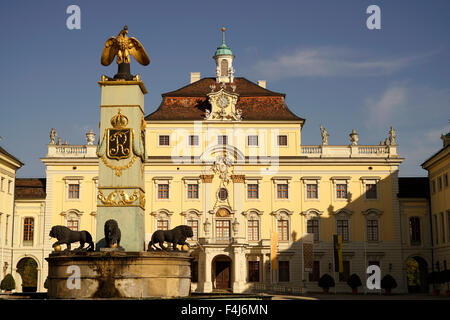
{"x": 416, "y": 271}
{"x": 222, "y": 273}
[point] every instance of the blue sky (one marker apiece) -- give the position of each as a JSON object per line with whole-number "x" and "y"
{"x": 334, "y": 70}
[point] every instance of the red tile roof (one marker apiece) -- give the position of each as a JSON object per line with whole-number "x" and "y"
{"x": 190, "y": 102}
{"x": 30, "y": 188}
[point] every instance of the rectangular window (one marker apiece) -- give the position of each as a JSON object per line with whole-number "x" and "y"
{"x": 223, "y": 140}
{"x": 283, "y": 230}
{"x": 162, "y": 225}
{"x": 193, "y": 140}
{"x": 283, "y": 268}
{"x": 282, "y": 140}
{"x": 315, "y": 274}
{"x": 1, "y": 184}
{"x": 313, "y": 227}
{"x": 343, "y": 276}
{"x": 252, "y": 191}
{"x": 282, "y": 191}
{"x": 446, "y": 180}
{"x": 433, "y": 187}
{"x": 223, "y": 229}
{"x": 372, "y": 230}
{"x": 163, "y": 191}
{"x": 371, "y": 191}
{"x": 74, "y": 191}
{"x": 439, "y": 183}
{"x": 341, "y": 191}
{"x": 194, "y": 225}
{"x": 192, "y": 191}
{"x": 441, "y": 215}
{"x": 73, "y": 224}
{"x": 342, "y": 229}
{"x": 164, "y": 140}
{"x": 252, "y": 140}
{"x": 414, "y": 231}
{"x": 312, "y": 191}
{"x": 253, "y": 230}
{"x": 253, "y": 271}
{"x": 28, "y": 231}
{"x": 9, "y": 186}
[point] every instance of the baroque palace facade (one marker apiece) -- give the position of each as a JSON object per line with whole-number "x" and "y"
{"x": 225, "y": 156}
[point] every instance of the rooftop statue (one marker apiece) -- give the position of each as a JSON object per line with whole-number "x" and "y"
{"x": 122, "y": 46}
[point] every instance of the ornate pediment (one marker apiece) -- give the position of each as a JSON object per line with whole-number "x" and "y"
{"x": 223, "y": 105}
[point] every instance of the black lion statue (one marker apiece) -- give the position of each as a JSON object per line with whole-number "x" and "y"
{"x": 67, "y": 236}
{"x": 177, "y": 235}
{"x": 112, "y": 234}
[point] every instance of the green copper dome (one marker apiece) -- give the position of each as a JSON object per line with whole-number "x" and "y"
{"x": 223, "y": 48}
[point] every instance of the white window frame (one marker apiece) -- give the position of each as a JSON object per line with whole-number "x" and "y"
{"x": 282, "y": 180}
{"x": 187, "y": 181}
{"x": 159, "y": 140}
{"x": 344, "y": 214}
{"x": 248, "y": 141}
{"x": 253, "y": 180}
{"x": 311, "y": 180}
{"x": 193, "y": 214}
{"x": 71, "y": 181}
{"x": 283, "y": 214}
{"x": 162, "y": 180}
{"x": 161, "y": 214}
{"x": 370, "y": 180}
{"x": 253, "y": 214}
{"x": 373, "y": 214}
{"x": 340, "y": 180}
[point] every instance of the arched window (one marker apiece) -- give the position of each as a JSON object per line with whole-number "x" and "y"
{"x": 343, "y": 224}
{"x": 372, "y": 224}
{"x": 192, "y": 219}
{"x": 282, "y": 217}
{"x": 253, "y": 224}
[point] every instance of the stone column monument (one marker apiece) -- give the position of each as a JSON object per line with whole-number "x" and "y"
{"x": 121, "y": 149}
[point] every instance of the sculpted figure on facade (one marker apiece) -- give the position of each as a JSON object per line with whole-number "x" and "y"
{"x": 222, "y": 167}
{"x": 52, "y": 136}
{"x": 392, "y": 136}
{"x": 325, "y": 135}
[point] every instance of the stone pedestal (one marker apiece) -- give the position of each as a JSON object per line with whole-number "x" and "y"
{"x": 119, "y": 275}
{"x": 121, "y": 193}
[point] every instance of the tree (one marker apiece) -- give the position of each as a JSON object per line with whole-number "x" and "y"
{"x": 354, "y": 281}
{"x": 388, "y": 283}
{"x": 8, "y": 283}
{"x": 326, "y": 282}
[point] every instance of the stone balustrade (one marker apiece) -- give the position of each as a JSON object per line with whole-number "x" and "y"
{"x": 350, "y": 151}
{"x": 71, "y": 151}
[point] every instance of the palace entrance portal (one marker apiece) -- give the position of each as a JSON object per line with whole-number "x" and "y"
{"x": 222, "y": 273}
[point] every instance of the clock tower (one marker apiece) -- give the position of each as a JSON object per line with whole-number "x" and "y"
{"x": 224, "y": 62}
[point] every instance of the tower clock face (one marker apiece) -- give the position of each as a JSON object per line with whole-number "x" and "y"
{"x": 222, "y": 101}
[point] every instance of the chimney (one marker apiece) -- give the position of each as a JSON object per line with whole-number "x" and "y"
{"x": 262, "y": 83}
{"x": 195, "y": 76}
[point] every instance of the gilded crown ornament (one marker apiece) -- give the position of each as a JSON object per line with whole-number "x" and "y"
{"x": 119, "y": 121}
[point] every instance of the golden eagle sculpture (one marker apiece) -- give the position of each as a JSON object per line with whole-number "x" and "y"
{"x": 122, "y": 46}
